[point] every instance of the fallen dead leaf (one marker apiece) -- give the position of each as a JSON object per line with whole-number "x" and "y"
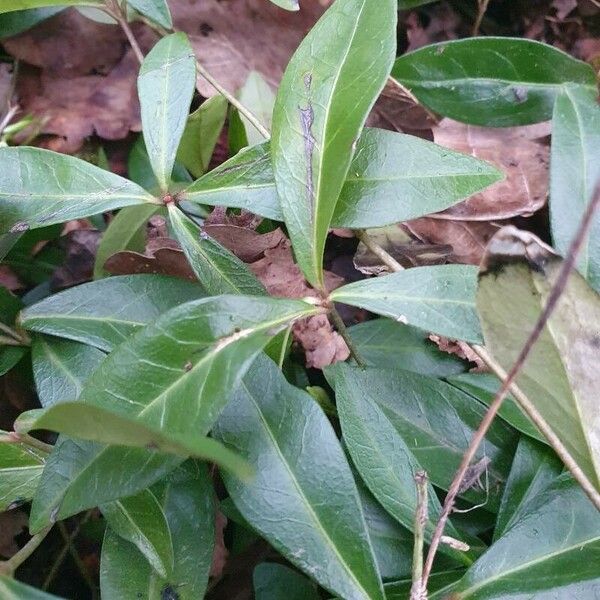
{"x": 12, "y": 523}
{"x": 229, "y": 37}
{"x": 443, "y": 23}
{"x": 460, "y": 349}
{"x": 467, "y": 239}
{"x": 246, "y": 244}
{"x": 9, "y": 280}
{"x": 563, "y": 8}
{"x": 514, "y": 150}
{"x": 282, "y": 278}
{"x": 162, "y": 256}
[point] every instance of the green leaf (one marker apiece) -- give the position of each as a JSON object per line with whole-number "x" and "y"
{"x": 314, "y": 517}
{"x": 219, "y": 270}
{"x": 187, "y": 503}
{"x": 490, "y": 81}
{"x": 440, "y": 299}
{"x": 105, "y": 313}
{"x": 400, "y": 590}
{"x": 257, "y": 95}
{"x": 141, "y": 521}
{"x": 85, "y": 421}
{"x": 155, "y": 10}
{"x": 12, "y": 5}
{"x": 274, "y": 582}
{"x": 534, "y": 468}
{"x": 11, "y": 589}
{"x": 201, "y": 135}
{"x": 436, "y": 422}
{"x": 176, "y": 374}
{"x": 484, "y": 386}
{"x": 166, "y": 85}
{"x": 127, "y": 231}
{"x": 393, "y": 177}
{"x": 16, "y": 22}
{"x": 20, "y": 470}
{"x": 287, "y": 4}
{"x": 39, "y": 187}
{"x": 79, "y": 475}
{"x": 61, "y": 368}
{"x": 392, "y": 543}
{"x": 326, "y": 93}
{"x": 560, "y": 375}
{"x": 390, "y": 345}
{"x": 574, "y": 174}
{"x": 383, "y": 459}
{"x": 554, "y": 543}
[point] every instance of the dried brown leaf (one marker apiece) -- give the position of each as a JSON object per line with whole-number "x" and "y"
{"x": 246, "y": 244}
{"x": 78, "y": 267}
{"x": 515, "y": 151}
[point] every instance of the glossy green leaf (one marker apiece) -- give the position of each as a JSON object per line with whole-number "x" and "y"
{"x": 176, "y": 374}
{"x": 326, "y": 93}
{"x": 554, "y": 543}
{"x": 436, "y": 421}
{"x": 534, "y": 468}
{"x": 11, "y": 589}
{"x": 39, "y": 187}
{"x": 82, "y": 420}
{"x": 574, "y": 174}
{"x": 393, "y": 177}
{"x": 10, "y": 357}
{"x": 273, "y": 581}
{"x": 383, "y": 459}
{"x": 201, "y": 135}
{"x": 20, "y": 470}
{"x": 484, "y": 386}
{"x": 440, "y": 299}
{"x": 392, "y": 543}
{"x": 388, "y": 344}
{"x": 166, "y": 85}
{"x": 141, "y": 521}
{"x": 13, "y": 23}
{"x": 400, "y": 590}
{"x": 9, "y": 308}
{"x": 79, "y": 475}
{"x": 314, "y": 517}
{"x": 491, "y": 81}
{"x": 12, "y": 5}
{"x": 127, "y": 231}
{"x": 61, "y": 368}
{"x": 105, "y": 313}
{"x": 155, "y": 10}
{"x": 218, "y": 269}
{"x": 560, "y": 375}
{"x": 258, "y": 96}
{"x": 188, "y": 506}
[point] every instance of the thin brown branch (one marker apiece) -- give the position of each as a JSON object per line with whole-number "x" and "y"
{"x": 553, "y": 298}
{"x": 340, "y": 326}
{"x": 417, "y": 591}
{"x": 482, "y": 6}
{"x": 119, "y": 13}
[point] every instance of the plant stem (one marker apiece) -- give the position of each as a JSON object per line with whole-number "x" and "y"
{"x": 417, "y": 591}
{"x": 386, "y": 258}
{"x": 482, "y": 6}
{"x": 23, "y": 438}
{"x": 507, "y": 381}
{"x": 8, "y": 567}
{"x": 22, "y": 341}
{"x": 116, "y": 11}
{"x": 339, "y": 324}
{"x": 250, "y": 116}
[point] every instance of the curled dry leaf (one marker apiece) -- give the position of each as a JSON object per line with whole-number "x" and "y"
{"x": 460, "y": 349}
{"x": 246, "y": 244}
{"x": 281, "y": 277}
{"x": 514, "y": 150}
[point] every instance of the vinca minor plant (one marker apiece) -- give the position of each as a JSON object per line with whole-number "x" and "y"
{"x": 175, "y": 400}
